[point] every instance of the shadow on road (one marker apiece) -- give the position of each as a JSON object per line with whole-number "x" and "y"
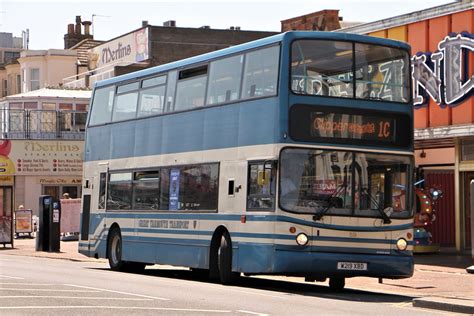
{"x": 288, "y": 287}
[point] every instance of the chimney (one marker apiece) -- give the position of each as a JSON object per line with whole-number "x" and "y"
{"x": 87, "y": 26}
{"x": 70, "y": 29}
{"x": 170, "y": 23}
{"x": 144, "y": 23}
{"x": 78, "y": 25}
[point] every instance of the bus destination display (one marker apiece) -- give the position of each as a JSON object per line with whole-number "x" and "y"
{"x": 324, "y": 124}
{"x": 351, "y": 126}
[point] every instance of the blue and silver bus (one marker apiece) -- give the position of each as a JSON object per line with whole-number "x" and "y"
{"x": 290, "y": 155}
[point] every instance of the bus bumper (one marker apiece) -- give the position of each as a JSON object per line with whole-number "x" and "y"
{"x": 324, "y": 264}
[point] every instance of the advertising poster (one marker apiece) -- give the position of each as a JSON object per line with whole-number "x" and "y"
{"x": 23, "y": 221}
{"x": 31, "y": 157}
{"x": 70, "y": 215}
{"x": 174, "y": 189}
{"x": 6, "y": 235}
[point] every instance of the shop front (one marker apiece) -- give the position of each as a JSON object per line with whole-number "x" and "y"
{"x": 442, "y": 41}
{"x": 30, "y": 168}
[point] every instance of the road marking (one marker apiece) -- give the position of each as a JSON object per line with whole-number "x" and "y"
{"x": 119, "y": 307}
{"x": 39, "y": 284}
{"x": 253, "y": 313}
{"x": 80, "y": 298}
{"x": 10, "y": 277}
{"x": 118, "y": 292}
{"x": 48, "y": 290}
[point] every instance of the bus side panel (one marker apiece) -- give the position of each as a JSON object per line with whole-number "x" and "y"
{"x": 188, "y": 252}
{"x": 254, "y": 258}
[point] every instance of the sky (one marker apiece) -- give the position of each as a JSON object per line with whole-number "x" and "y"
{"x": 47, "y": 20}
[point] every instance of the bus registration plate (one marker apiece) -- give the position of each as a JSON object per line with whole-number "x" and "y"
{"x": 359, "y": 266}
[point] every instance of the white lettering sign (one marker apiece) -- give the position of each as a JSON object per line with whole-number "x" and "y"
{"x": 444, "y": 75}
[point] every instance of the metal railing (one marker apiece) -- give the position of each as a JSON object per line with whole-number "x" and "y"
{"x": 42, "y": 124}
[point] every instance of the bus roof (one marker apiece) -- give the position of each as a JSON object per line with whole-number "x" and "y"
{"x": 287, "y": 36}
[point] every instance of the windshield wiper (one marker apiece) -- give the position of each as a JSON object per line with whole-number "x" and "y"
{"x": 330, "y": 201}
{"x": 378, "y": 206}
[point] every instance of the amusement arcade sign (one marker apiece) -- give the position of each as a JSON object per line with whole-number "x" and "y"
{"x": 444, "y": 75}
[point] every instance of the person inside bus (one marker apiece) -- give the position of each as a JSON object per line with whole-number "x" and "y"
{"x": 291, "y": 171}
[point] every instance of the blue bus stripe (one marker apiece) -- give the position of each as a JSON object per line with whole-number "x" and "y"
{"x": 264, "y": 236}
{"x": 259, "y": 218}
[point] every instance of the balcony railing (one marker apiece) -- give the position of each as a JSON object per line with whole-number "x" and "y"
{"x": 42, "y": 124}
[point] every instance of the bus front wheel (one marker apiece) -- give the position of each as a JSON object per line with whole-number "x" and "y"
{"x": 224, "y": 260}
{"x": 337, "y": 283}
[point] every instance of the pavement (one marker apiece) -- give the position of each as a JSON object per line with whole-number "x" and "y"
{"x": 440, "y": 280}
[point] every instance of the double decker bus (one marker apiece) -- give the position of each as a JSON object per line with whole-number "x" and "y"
{"x": 290, "y": 155}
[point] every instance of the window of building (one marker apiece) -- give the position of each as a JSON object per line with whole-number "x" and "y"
{"x": 224, "y": 80}
{"x": 34, "y": 79}
{"x": 31, "y": 105}
{"x": 18, "y": 84}
{"x": 467, "y": 149}
{"x": 5, "y": 88}
{"x": 102, "y": 105}
{"x": 10, "y": 56}
{"x": 48, "y": 106}
{"x": 125, "y": 107}
{"x": 261, "y": 73}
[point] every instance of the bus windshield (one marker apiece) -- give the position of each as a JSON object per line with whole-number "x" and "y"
{"x": 350, "y": 70}
{"x": 345, "y": 183}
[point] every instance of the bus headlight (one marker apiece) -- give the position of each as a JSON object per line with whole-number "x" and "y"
{"x": 302, "y": 239}
{"x": 402, "y": 244}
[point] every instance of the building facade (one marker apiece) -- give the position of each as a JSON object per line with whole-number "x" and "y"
{"x": 150, "y": 46}
{"x": 41, "y": 147}
{"x": 442, "y": 41}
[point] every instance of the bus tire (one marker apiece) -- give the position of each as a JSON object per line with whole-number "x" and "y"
{"x": 337, "y": 283}
{"x": 114, "y": 250}
{"x": 224, "y": 260}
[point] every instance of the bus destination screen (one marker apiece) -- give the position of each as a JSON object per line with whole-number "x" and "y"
{"x": 350, "y": 126}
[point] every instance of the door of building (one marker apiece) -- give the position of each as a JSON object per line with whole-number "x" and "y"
{"x": 6, "y": 215}
{"x": 466, "y": 210}
{"x": 444, "y": 227}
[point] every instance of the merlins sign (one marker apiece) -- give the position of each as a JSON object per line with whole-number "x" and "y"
{"x": 444, "y": 76}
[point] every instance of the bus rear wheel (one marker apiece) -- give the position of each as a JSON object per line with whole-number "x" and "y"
{"x": 337, "y": 283}
{"x": 224, "y": 260}
{"x": 114, "y": 253}
{"x": 114, "y": 250}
